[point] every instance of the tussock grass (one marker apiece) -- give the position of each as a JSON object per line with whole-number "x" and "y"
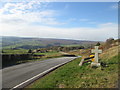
{"x": 109, "y": 53}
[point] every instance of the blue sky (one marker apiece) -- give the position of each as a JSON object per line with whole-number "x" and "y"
{"x": 82, "y": 14}
{"x": 85, "y": 14}
{"x": 66, "y": 20}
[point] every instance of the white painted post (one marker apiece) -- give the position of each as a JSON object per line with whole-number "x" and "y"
{"x": 96, "y": 51}
{"x": 81, "y": 62}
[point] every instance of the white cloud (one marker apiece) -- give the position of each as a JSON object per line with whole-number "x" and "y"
{"x": 17, "y": 22}
{"x": 115, "y": 6}
{"x": 87, "y": 21}
{"x": 102, "y": 32}
{"x": 28, "y": 13}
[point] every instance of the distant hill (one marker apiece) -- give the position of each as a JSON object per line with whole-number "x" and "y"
{"x": 33, "y": 43}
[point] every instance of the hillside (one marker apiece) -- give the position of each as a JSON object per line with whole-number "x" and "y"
{"x": 34, "y": 43}
{"x": 72, "y": 75}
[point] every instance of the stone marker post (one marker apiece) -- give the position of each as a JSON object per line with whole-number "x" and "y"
{"x": 81, "y": 62}
{"x": 96, "y": 51}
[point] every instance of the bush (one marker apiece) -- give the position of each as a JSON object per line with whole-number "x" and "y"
{"x": 29, "y": 51}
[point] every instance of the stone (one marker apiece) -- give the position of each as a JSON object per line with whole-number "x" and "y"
{"x": 95, "y": 64}
{"x": 96, "y": 51}
{"x": 81, "y": 62}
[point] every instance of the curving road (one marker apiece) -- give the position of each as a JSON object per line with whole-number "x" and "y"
{"x": 19, "y": 75}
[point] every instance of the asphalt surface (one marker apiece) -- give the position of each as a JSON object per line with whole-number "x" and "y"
{"x": 14, "y": 75}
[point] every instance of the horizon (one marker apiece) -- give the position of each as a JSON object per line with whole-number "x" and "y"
{"x": 93, "y": 21}
{"x": 50, "y": 38}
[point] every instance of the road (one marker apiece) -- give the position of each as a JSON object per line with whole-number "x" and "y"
{"x": 15, "y": 75}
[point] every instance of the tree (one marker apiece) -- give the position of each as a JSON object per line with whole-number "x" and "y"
{"x": 82, "y": 47}
{"x": 110, "y": 40}
{"x": 3, "y": 51}
{"x": 98, "y": 44}
{"x": 29, "y": 51}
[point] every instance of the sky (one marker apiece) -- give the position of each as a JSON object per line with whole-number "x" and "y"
{"x": 96, "y": 21}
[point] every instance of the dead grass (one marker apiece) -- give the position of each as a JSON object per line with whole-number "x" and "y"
{"x": 109, "y": 53}
{"x": 82, "y": 52}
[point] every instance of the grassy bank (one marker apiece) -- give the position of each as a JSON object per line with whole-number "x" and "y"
{"x": 73, "y": 76}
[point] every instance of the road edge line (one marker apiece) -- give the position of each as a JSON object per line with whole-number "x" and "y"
{"x": 40, "y": 74}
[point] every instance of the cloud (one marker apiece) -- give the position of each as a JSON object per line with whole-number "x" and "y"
{"x": 88, "y": 21}
{"x": 115, "y": 6}
{"x": 72, "y": 19}
{"x": 14, "y": 8}
{"x": 31, "y": 12}
{"x": 102, "y": 32}
{"x": 16, "y": 19}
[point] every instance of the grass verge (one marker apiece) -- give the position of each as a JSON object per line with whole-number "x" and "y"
{"x": 73, "y": 76}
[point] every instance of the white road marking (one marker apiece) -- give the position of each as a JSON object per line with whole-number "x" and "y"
{"x": 39, "y": 75}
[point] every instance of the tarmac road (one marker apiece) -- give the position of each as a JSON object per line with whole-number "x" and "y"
{"x": 15, "y": 75}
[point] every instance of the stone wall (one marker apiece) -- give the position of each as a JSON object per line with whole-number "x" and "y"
{"x": 11, "y": 59}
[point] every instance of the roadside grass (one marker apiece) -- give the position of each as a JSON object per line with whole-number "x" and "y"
{"x": 48, "y": 53}
{"x": 110, "y": 52}
{"x": 37, "y": 59}
{"x": 52, "y": 54}
{"x": 73, "y": 76}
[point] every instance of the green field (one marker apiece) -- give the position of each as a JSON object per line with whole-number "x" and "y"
{"x": 78, "y": 45}
{"x": 18, "y": 51}
{"x": 73, "y": 76}
{"x": 34, "y": 43}
{"x": 72, "y": 45}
